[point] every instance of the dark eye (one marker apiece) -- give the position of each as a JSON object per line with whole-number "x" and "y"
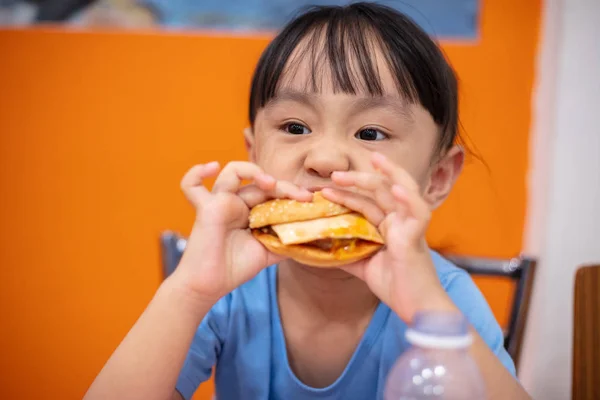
{"x": 370, "y": 134}
{"x": 295, "y": 128}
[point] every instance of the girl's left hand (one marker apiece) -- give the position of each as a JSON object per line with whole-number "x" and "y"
{"x": 402, "y": 274}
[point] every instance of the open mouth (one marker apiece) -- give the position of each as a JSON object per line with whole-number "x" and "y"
{"x": 318, "y": 233}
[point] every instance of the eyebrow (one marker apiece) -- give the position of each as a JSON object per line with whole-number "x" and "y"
{"x": 394, "y": 104}
{"x": 305, "y": 98}
{"x": 358, "y": 105}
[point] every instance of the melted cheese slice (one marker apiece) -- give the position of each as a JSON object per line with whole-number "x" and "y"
{"x": 347, "y": 226}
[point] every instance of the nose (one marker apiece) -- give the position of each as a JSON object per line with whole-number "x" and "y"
{"x": 325, "y": 158}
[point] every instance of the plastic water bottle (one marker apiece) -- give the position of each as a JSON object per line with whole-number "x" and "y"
{"x": 438, "y": 365}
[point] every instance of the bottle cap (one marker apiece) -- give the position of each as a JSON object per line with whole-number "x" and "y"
{"x": 442, "y": 330}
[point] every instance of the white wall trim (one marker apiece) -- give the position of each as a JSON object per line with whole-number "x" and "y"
{"x": 563, "y": 217}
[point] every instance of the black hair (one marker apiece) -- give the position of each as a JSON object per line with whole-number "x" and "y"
{"x": 351, "y": 34}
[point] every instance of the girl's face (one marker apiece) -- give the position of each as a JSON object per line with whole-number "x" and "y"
{"x": 303, "y": 136}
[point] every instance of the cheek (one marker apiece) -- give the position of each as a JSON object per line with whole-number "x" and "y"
{"x": 416, "y": 163}
{"x": 415, "y": 151}
{"x": 263, "y": 148}
{"x": 421, "y": 175}
{"x": 276, "y": 159}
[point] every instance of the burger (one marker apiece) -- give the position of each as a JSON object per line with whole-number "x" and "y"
{"x": 318, "y": 233}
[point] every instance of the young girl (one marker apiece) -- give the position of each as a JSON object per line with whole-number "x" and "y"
{"x": 360, "y": 103}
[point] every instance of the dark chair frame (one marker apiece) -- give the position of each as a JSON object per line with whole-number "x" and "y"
{"x": 172, "y": 246}
{"x": 522, "y": 271}
{"x": 519, "y": 269}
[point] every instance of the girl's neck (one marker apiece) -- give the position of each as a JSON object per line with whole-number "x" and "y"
{"x": 331, "y": 294}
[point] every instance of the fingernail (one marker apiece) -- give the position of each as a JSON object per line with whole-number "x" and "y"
{"x": 212, "y": 164}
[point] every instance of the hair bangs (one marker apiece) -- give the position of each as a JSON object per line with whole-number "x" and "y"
{"x": 341, "y": 51}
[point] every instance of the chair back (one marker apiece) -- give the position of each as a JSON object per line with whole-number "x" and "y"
{"x": 586, "y": 334}
{"x": 172, "y": 246}
{"x": 522, "y": 271}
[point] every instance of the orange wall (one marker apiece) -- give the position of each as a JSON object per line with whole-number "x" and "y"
{"x": 96, "y": 130}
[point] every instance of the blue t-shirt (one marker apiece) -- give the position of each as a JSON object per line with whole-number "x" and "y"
{"x": 242, "y": 337}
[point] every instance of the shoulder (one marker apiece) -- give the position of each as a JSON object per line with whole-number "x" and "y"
{"x": 229, "y": 325}
{"x": 246, "y": 305}
{"x": 459, "y": 285}
{"x": 462, "y": 290}
{"x": 446, "y": 270}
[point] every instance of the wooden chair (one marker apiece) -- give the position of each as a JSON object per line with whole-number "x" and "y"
{"x": 586, "y": 334}
{"x": 521, "y": 270}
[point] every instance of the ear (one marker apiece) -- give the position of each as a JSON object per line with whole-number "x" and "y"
{"x": 443, "y": 176}
{"x": 249, "y": 142}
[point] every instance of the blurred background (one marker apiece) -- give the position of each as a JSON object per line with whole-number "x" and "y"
{"x": 458, "y": 18}
{"x": 105, "y": 104}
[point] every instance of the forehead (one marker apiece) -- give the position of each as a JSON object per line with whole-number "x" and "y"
{"x": 325, "y": 63}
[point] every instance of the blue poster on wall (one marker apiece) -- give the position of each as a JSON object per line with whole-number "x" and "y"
{"x": 441, "y": 18}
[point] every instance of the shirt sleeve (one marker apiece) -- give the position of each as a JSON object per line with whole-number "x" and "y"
{"x": 205, "y": 349}
{"x": 469, "y": 299}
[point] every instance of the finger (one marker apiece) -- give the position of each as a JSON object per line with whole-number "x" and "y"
{"x": 412, "y": 205}
{"x": 252, "y": 246}
{"x": 231, "y": 178}
{"x": 403, "y": 233}
{"x": 273, "y": 258}
{"x": 363, "y": 180}
{"x": 252, "y": 195}
{"x": 395, "y": 173}
{"x": 378, "y": 184}
{"x": 357, "y": 202}
{"x": 405, "y": 190}
{"x": 197, "y": 173}
{"x": 283, "y": 189}
{"x": 192, "y": 184}
{"x": 392, "y": 229}
{"x": 356, "y": 269}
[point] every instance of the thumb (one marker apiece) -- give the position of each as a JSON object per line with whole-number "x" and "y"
{"x": 260, "y": 256}
{"x": 356, "y": 269}
{"x": 273, "y": 258}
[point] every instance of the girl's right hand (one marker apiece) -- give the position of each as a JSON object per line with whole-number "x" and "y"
{"x": 221, "y": 253}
